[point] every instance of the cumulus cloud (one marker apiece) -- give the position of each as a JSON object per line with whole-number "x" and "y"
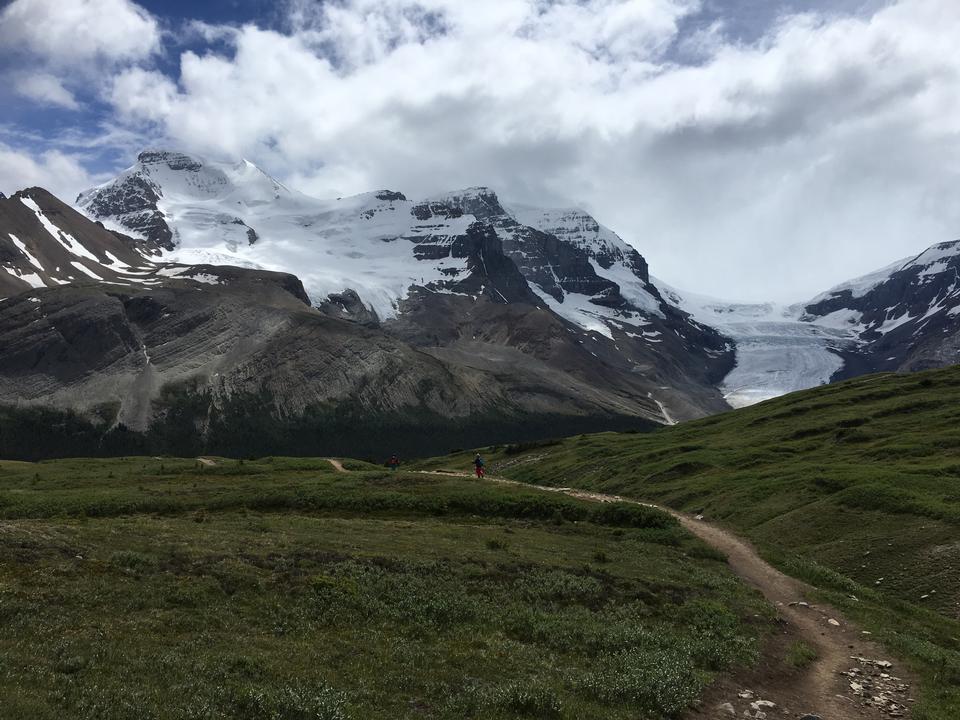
{"x": 45, "y": 89}
{"x": 58, "y": 172}
{"x": 774, "y": 167}
{"x": 79, "y": 30}
{"x": 69, "y": 47}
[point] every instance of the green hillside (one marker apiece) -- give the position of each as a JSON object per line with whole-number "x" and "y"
{"x": 281, "y": 590}
{"x": 854, "y": 487}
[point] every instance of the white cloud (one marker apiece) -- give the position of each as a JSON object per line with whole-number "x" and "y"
{"x": 64, "y": 32}
{"x": 45, "y": 89}
{"x": 60, "y": 173}
{"x": 775, "y": 168}
{"x": 143, "y": 94}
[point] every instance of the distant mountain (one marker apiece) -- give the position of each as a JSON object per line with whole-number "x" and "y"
{"x": 420, "y": 329}
{"x": 381, "y": 257}
{"x": 380, "y": 244}
{"x": 903, "y": 317}
{"x": 203, "y": 306}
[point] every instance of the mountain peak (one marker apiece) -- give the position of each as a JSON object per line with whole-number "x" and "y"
{"x": 173, "y": 159}
{"x": 940, "y": 252}
{"x": 478, "y": 192}
{"x": 390, "y": 196}
{"x": 481, "y": 202}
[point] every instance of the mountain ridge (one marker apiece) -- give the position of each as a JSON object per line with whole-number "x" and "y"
{"x": 529, "y": 312}
{"x": 154, "y": 354}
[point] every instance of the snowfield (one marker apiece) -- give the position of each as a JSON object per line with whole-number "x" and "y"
{"x": 361, "y": 242}
{"x": 232, "y": 213}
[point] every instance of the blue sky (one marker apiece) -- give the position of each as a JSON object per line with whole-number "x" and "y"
{"x": 749, "y": 148}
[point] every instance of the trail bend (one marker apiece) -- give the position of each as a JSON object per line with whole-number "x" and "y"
{"x": 826, "y": 689}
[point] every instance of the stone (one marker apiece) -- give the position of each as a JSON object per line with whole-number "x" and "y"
{"x": 727, "y": 708}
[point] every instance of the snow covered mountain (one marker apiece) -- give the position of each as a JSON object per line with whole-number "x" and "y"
{"x": 191, "y": 298}
{"x": 382, "y": 254}
{"x": 905, "y": 316}
{"x": 178, "y": 318}
{"x": 379, "y": 244}
{"x": 47, "y": 244}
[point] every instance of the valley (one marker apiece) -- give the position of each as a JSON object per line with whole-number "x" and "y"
{"x": 361, "y": 592}
{"x": 849, "y": 487}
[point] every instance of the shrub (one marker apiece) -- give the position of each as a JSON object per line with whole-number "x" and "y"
{"x": 526, "y": 700}
{"x": 286, "y": 703}
{"x": 800, "y": 655}
{"x": 630, "y": 515}
{"x": 659, "y": 681}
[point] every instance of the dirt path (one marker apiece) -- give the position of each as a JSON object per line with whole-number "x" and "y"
{"x": 337, "y": 465}
{"x": 849, "y": 680}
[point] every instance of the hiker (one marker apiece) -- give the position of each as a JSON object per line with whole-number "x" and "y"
{"x": 478, "y": 464}
{"x": 393, "y": 463}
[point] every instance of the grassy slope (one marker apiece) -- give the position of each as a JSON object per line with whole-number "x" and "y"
{"x": 144, "y": 588}
{"x": 854, "y": 487}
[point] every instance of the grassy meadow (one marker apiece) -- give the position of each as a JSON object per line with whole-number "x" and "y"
{"x": 281, "y": 590}
{"x": 854, "y": 487}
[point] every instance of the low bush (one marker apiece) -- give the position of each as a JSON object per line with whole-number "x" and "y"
{"x": 800, "y": 655}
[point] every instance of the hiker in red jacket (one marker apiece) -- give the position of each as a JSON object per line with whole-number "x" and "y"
{"x": 478, "y": 464}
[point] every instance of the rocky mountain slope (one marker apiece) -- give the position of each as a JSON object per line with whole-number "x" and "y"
{"x": 381, "y": 244}
{"x": 103, "y": 323}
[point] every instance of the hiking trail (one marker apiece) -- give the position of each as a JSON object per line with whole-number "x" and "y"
{"x": 851, "y": 678}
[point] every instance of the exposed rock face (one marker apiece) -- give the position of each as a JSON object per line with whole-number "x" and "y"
{"x": 587, "y": 275}
{"x": 348, "y": 306}
{"x": 134, "y": 203}
{"x": 45, "y": 242}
